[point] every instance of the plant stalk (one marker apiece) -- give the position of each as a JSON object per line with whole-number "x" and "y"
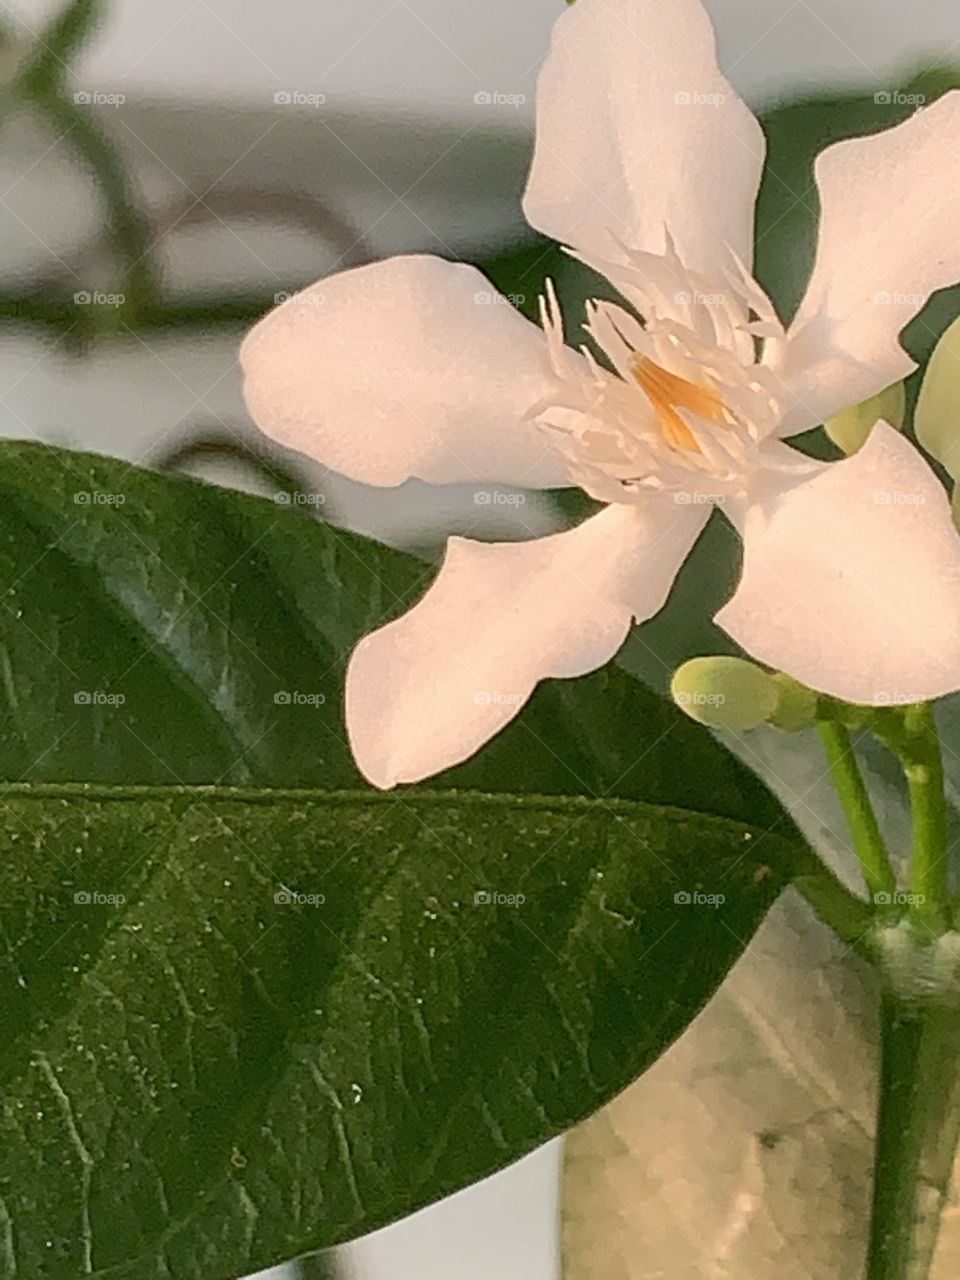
{"x": 923, "y": 765}
{"x": 848, "y": 781}
{"x": 918, "y": 1126}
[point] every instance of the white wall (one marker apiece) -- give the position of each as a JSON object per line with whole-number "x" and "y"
{"x": 442, "y": 51}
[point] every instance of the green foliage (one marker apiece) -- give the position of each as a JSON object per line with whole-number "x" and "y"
{"x": 251, "y": 1007}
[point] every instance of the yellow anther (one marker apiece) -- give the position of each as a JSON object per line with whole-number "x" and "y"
{"x": 668, "y": 392}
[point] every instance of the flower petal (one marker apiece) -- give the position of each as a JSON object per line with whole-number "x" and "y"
{"x": 410, "y": 367}
{"x": 851, "y": 578}
{"x": 426, "y": 691}
{"x": 890, "y": 208}
{"x": 637, "y": 130}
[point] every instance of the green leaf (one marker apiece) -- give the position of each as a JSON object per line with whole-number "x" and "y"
{"x": 221, "y": 1080}
{"x": 176, "y": 633}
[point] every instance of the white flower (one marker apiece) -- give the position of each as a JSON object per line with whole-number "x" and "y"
{"x": 647, "y": 166}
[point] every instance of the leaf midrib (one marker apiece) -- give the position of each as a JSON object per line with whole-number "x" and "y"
{"x": 126, "y": 792}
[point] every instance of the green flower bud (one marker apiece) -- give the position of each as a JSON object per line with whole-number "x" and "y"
{"x": 797, "y": 705}
{"x": 725, "y": 693}
{"x": 937, "y": 419}
{"x": 849, "y": 429}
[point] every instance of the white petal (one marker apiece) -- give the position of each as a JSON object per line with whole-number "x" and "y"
{"x": 890, "y": 209}
{"x": 851, "y": 579}
{"x": 636, "y": 130}
{"x": 427, "y": 690}
{"x": 410, "y": 367}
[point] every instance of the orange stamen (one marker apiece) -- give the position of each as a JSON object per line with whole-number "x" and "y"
{"x": 668, "y": 392}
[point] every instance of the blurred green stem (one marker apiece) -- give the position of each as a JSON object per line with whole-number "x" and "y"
{"x": 918, "y": 1126}
{"x": 923, "y": 766}
{"x": 848, "y": 781}
{"x": 128, "y": 231}
{"x": 918, "y": 959}
{"x": 42, "y": 85}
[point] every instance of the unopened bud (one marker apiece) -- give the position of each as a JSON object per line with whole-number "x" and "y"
{"x": 849, "y": 429}
{"x": 937, "y": 417}
{"x": 725, "y": 693}
{"x": 796, "y": 704}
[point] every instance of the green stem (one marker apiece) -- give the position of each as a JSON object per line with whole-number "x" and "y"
{"x": 918, "y": 1126}
{"x": 923, "y": 765}
{"x": 127, "y": 228}
{"x": 868, "y": 842}
{"x": 850, "y": 918}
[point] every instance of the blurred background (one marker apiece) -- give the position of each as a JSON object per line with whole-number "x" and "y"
{"x": 168, "y": 172}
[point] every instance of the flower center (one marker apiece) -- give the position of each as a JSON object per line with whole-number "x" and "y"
{"x": 668, "y": 392}
{"x": 686, "y": 392}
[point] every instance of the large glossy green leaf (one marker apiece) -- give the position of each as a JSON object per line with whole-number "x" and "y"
{"x": 302, "y": 1021}
{"x": 166, "y": 631}
{"x": 199, "y": 1079}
